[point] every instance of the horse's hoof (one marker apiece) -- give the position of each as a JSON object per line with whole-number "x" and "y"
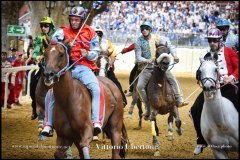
{"x": 198, "y": 149}
{"x": 41, "y": 138}
{"x": 129, "y": 116}
{"x": 180, "y": 131}
{"x": 95, "y": 138}
{"x": 156, "y": 154}
{"x": 34, "y": 116}
{"x": 146, "y": 118}
{"x": 138, "y": 128}
{"x": 170, "y": 136}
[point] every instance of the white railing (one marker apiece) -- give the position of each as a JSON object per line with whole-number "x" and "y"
{"x": 16, "y": 69}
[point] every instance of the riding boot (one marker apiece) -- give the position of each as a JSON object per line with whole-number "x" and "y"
{"x": 180, "y": 102}
{"x": 176, "y": 89}
{"x": 47, "y": 131}
{"x": 49, "y": 104}
{"x": 142, "y": 83}
{"x": 146, "y": 114}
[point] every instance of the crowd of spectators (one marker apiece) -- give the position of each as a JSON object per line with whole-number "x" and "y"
{"x": 185, "y": 17}
{"x": 12, "y": 59}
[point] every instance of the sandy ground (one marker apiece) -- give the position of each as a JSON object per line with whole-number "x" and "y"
{"x": 19, "y": 133}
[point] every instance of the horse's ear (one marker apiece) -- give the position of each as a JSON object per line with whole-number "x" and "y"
{"x": 208, "y": 56}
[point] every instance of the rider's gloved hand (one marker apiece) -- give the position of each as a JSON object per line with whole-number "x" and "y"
{"x": 176, "y": 59}
{"x": 150, "y": 61}
{"x": 84, "y": 52}
{"x": 39, "y": 58}
{"x": 123, "y": 51}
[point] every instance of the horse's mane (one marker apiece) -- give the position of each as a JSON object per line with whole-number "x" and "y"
{"x": 70, "y": 58}
{"x": 66, "y": 45}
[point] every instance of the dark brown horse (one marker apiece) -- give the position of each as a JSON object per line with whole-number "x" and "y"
{"x": 72, "y": 108}
{"x": 40, "y": 93}
{"x": 136, "y": 100}
{"x": 161, "y": 95}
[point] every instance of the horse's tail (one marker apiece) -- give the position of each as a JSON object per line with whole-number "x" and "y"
{"x": 124, "y": 142}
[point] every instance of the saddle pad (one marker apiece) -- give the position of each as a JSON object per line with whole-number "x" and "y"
{"x": 102, "y": 103}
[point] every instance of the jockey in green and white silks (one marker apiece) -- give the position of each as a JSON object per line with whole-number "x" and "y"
{"x": 41, "y": 41}
{"x": 145, "y": 49}
{"x": 40, "y": 44}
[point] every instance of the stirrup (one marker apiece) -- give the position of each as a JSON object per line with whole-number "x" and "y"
{"x": 97, "y": 129}
{"x": 129, "y": 94}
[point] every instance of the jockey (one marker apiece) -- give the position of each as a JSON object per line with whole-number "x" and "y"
{"x": 40, "y": 44}
{"x": 106, "y": 48}
{"x": 228, "y": 68}
{"x": 229, "y": 39}
{"x": 86, "y": 46}
{"x": 145, "y": 49}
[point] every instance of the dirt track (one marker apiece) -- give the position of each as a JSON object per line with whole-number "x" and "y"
{"x": 19, "y": 133}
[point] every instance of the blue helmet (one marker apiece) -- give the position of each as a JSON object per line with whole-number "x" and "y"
{"x": 222, "y": 22}
{"x": 146, "y": 23}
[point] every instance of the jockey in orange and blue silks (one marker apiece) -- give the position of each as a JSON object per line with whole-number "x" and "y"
{"x": 87, "y": 41}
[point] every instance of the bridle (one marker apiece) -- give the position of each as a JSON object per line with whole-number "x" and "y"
{"x": 202, "y": 81}
{"x": 68, "y": 66}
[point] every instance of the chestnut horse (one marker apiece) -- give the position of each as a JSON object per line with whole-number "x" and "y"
{"x": 161, "y": 95}
{"x": 72, "y": 107}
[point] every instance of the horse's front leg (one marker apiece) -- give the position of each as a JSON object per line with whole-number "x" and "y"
{"x": 170, "y": 127}
{"x": 86, "y": 138}
{"x": 140, "y": 112}
{"x": 155, "y": 132}
{"x": 220, "y": 153}
{"x": 177, "y": 121}
{"x": 41, "y": 116}
{"x": 63, "y": 148}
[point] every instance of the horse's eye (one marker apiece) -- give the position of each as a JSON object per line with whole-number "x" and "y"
{"x": 165, "y": 63}
{"x": 61, "y": 55}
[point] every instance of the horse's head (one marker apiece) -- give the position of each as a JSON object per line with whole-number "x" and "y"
{"x": 208, "y": 77}
{"x": 56, "y": 61}
{"x": 160, "y": 48}
{"x": 103, "y": 65}
{"x": 162, "y": 57}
